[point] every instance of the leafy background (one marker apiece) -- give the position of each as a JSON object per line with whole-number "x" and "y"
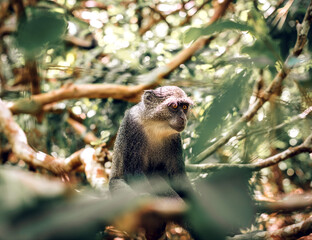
{"x": 112, "y": 42}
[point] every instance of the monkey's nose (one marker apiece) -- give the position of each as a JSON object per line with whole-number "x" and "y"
{"x": 182, "y": 119}
{"x": 182, "y": 122}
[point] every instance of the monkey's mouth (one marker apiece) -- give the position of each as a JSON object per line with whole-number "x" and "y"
{"x": 178, "y": 128}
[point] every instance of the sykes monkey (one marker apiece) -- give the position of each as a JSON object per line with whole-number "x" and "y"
{"x": 148, "y": 142}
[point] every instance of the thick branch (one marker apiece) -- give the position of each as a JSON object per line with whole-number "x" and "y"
{"x": 127, "y": 93}
{"x": 72, "y": 91}
{"x": 20, "y": 147}
{"x": 272, "y": 89}
{"x": 302, "y": 32}
{"x": 88, "y": 137}
{"x": 220, "y": 11}
{"x": 19, "y": 9}
{"x": 187, "y": 53}
{"x": 94, "y": 171}
{"x": 209, "y": 167}
{"x": 32, "y": 76}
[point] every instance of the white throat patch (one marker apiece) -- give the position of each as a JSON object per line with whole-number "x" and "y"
{"x": 157, "y": 131}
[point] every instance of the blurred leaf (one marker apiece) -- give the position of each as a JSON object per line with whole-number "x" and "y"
{"x": 225, "y": 204}
{"x": 305, "y": 82}
{"x": 21, "y": 189}
{"x": 36, "y": 207}
{"x": 194, "y": 33}
{"x": 257, "y": 20}
{"x": 39, "y": 30}
{"x": 269, "y": 49}
{"x": 259, "y": 62}
{"x": 105, "y": 135}
{"x": 230, "y": 96}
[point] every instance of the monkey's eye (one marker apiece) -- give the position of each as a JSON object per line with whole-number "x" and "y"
{"x": 184, "y": 106}
{"x": 174, "y": 106}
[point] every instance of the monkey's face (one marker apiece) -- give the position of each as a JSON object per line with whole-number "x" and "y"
{"x": 168, "y": 106}
{"x": 178, "y": 118}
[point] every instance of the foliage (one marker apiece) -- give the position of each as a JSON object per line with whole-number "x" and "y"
{"x": 127, "y": 43}
{"x": 41, "y": 29}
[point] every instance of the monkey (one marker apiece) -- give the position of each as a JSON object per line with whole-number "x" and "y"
{"x": 148, "y": 142}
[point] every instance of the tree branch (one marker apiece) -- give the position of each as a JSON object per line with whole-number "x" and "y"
{"x": 306, "y": 146}
{"x": 188, "y": 17}
{"x": 288, "y": 204}
{"x": 187, "y": 53}
{"x": 19, "y": 9}
{"x": 95, "y": 172}
{"x": 87, "y": 137}
{"x": 32, "y": 76}
{"x": 72, "y": 91}
{"x": 127, "y": 93}
{"x": 302, "y": 32}
{"x": 86, "y": 43}
{"x": 293, "y": 231}
{"x": 220, "y": 11}
{"x": 296, "y": 118}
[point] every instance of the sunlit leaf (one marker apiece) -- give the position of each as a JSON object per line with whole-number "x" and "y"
{"x": 230, "y": 96}
{"x": 269, "y": 49}
{"x": 194, "y": 33}
{"x": 261, "y": 62}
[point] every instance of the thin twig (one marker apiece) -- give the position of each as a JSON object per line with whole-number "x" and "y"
{"x": 294, "y": 119}
{"x": 293, "y": 231}
{"x": 289, "y": 203}
{"x": 306, "y": 146}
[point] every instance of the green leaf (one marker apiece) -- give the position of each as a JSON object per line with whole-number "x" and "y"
{"x": 39, "y": 30}
{"x": 260, "y": 62}
{"x": 194, "y": 33}
{"x": 229, "y": 97}
{"x": 263, "y": 47}
{"x": 257, "y": 20}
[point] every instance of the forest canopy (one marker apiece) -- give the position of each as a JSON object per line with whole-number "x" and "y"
{"x": 70, "y": 69}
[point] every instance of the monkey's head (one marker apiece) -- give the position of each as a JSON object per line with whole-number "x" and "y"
{"x": 167, "y": 107}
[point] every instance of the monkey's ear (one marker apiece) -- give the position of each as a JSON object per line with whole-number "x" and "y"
{"x": 149, "y": 96}
{"x": 152, "y": 97}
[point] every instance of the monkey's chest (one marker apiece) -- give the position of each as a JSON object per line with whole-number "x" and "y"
{"x": 158, "y": 161}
